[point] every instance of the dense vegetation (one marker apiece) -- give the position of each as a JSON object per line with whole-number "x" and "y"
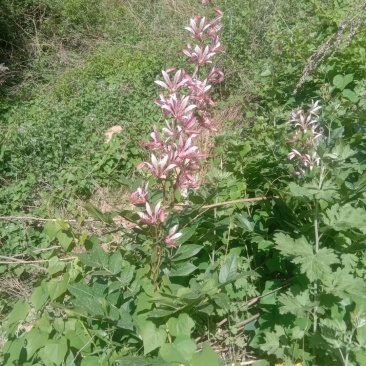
{"x": 270, "y": 264}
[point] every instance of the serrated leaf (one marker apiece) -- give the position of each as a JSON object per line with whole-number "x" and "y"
{"x": 328, "y": 192}
{"x": 341, "y": 283}
{"x": 317, "y": 266}
{"x": 152, "y": 337}
{"x": 314, "y": 265}
{"x": 299, "y": 305}
{"x": 186, "y": 251}
{"x": 229, "y": 269}
{"x": 345, "y": 217}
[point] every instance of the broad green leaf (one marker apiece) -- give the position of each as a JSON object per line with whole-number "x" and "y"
{"x": 97, "y": 257}
{"x": 65, "y": 238}
{"x": 180, "y": 351}
{"x": 12, "y": 349}
{"x": 57, "y": 287}
{"x": 54, "y": 352}
{"x": 350, "y": 95}
{"x": 36, "y": 339}
{"x": 180, "y": 326}
{"x": 183, "y": 269}
{"x": 91, "y": 361}
{"x": 206, "y": 357}
{"x": 39, "y": 296}
{"x": 115, "y": 262}
{"x": 342, "y": 81}
{"x": 86, "y": 299}
{"x": 52, "y": 228}
{"x": 78, "y": 337}
{"x": 126, "y": 275}
{"x": 222, "y": 300}
{"x": 55, "y": 265}
{"x": 152, "y": 337}
{"x": 229, "y": 269}
{"x": 19, "y": 312}
{"x": 186, "y": 251}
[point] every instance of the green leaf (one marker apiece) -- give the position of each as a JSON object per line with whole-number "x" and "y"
{"x": 52, "y": 228}
{"x": 317, "y": 266}
{"x": 86, "y": 299}
{"x": 55, "y": 265}
{"x": 180, "y": 326}
{"x": 222, "y": 300}
{"x": 97, "y": 257}
{"x": 229, "y": 268}
{"x": 36, "y": 339}
{"x": 207, "y": 357}
{"x": 115, "y": 262}
{"x": 13, "y": 349}
{"x": 57, "y": 287}
{"x": 19, "y": 312}
{"x": 65, "y": 238}
{"x": 341, "y": 283}
{"x": 96, "y": 213}
{"x": 186, "y": 251}
{"x": 350, "y": 95}
{"x": 314, "y": 265}
{"x": 180, "y": 351}
{"x": 183, "y": 269}
{"x": 39, "y": 296}
{"x": 126, "y": 275}
{"x": 345, "y": 217}
{"x": 342, "y": 81}
{"x": 54, "y": 352}
{"x": 152, "y": 337}
{"x": 91, "y": 361}
{"x": 299, "y": 305}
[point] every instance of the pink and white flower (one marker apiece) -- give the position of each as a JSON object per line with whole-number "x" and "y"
{"x": 171, "y": 238}
{"x": 152, "y": 216}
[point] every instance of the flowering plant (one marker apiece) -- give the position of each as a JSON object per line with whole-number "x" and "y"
{"x": 175, "y": 155}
